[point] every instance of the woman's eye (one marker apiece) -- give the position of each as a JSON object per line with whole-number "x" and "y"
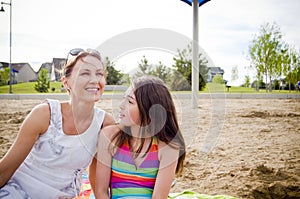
{"x": 100, "y": 74}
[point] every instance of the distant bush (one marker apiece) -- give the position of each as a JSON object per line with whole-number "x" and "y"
{"x": 262, "y": 85}
{"x": 287, "y": 86}
{"x": 218, "y": 79}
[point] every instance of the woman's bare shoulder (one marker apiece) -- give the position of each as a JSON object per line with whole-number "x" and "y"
{"x": 41, "y": 111}
{"x": 108, "y": 120}
{"x": 38, "y": 120}
{"x": 44, "y": 106}
{"x": 110, "y": 131}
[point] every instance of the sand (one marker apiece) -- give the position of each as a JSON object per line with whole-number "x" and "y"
{"x": 247, "y": 148}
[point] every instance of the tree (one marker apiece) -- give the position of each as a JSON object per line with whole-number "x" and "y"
{"x": 4, "y": 74}
{"x": 247, "y": 81}
{"x": 179, "y": 83}
{"x": 144, "y": 67}
{"x": 160, "y": 70}
{"x": 267, "y": 52}
{"x": 114, "y": 77}
{"x": 292, "y": 66}
{"x": 234, "y": 73}
{"x": 183, "y": 65}
{"x": 43, "y": 82}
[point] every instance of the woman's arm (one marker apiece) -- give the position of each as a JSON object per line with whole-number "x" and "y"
{"x": 168, "y": 157}
{"x": 108, "y": 120}
{"x": 104, "y": 158}
{"x": 35, "y": 124}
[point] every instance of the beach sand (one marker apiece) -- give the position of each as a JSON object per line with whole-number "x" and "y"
{"x": 247, "y": 148}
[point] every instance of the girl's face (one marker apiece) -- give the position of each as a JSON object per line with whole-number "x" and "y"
{"x": 129, "y": 113}
{"x": 87, "y": 80}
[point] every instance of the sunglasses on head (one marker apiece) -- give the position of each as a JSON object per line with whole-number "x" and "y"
{"x": 77, "y": 51}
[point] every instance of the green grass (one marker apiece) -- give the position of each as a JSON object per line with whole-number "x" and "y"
{"x": 218, "y": 88}
{"x": 28, "y": 88}
{"x": 23, "y": 88}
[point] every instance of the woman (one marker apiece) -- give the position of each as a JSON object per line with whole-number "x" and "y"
{"x": 139, "y": 157}
{"x": 57, "y": 141}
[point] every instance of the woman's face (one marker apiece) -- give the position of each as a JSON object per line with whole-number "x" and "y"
{"x": 87, "y": 80}
{"x": 129, "y": 114}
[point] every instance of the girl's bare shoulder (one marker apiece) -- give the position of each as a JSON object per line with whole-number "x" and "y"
{"x": 169, "y": 151}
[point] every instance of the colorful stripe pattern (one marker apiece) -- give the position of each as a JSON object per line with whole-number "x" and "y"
{"x": 128, "y": 180}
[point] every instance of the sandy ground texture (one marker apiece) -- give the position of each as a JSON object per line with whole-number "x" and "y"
{"x": 247, "y": 148}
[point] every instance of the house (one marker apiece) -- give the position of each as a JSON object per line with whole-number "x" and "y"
{"x": 21, "y": 72}
{"x": 212, "y": 72}
{"x": 48, "y": 66}
{"x": 54, "y": 68}
{"x": 57, "y": 66}
{"x": 24, "y": 72}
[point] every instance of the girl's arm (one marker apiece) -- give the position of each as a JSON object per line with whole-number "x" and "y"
{"x": 104, "y": 157}
{"x": 108, "y": 120}
{"x": 35, "y": 124}
{"x": 168, "y": 157}
{"x": 92, "y": 173}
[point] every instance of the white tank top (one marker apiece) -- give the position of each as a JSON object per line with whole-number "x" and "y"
{"x": 54, "y": 167}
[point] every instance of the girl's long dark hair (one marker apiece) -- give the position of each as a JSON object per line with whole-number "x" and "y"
{"x": 158, "y": 116}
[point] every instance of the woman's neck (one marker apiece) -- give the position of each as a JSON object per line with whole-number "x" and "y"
{"x": 81, "y": 109}
{"x": 79, "y": 117}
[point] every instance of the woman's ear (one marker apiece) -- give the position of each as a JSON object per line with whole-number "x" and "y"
{"x": 65, "y": 83}
{"x": 64, "y": 80}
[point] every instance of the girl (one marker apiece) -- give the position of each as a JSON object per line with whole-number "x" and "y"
{"x": 57, "y": 140}
{"x": 138, "y": 158}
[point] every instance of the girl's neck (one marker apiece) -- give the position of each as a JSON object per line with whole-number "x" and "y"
{"x": 136, "y": 141}
{"x": 135, "y": 132}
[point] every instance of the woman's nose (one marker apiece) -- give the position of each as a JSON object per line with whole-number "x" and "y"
{"x": 95, "y": 78}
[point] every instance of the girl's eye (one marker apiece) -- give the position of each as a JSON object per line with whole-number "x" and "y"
{"x": 85, "y": 73}
{"x": 128, "y": 99}
{"x": 100, "y": 74}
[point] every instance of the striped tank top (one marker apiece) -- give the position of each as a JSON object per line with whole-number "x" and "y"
{"x": 129, "y": 181}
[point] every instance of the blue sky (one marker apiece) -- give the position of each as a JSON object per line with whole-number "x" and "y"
{"x": 43, "y": 29}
